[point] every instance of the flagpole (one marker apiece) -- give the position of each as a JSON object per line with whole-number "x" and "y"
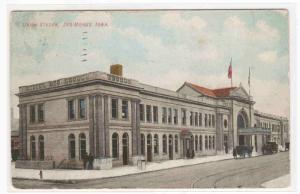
{"x": 231, "y": 70}
{"x": 232, "y": 119}
{"x": 249, "y": 83}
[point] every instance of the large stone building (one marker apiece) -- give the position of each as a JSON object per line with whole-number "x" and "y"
{"x": 111, "y": 116}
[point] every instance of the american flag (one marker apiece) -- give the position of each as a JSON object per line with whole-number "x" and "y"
{"x": 230, "y": 70}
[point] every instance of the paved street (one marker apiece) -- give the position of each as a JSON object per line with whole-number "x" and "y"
{"x": 243, "y": 173}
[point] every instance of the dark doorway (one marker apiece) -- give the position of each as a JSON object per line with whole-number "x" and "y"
{"x": 149, "y": 148}
{"x": 143, "y": 144}
{"x": 187, "y": 147}
{"x": 241, "y": 140}
{"x": 225, "y": 144}
{"x": 125, "y": 148}
{"x": 41, "y": 148}
{"x": 240, "y": 122}
{"x": 170, "y": 147}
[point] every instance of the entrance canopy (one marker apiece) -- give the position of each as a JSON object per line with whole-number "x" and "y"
{"x": 253, "y": 131}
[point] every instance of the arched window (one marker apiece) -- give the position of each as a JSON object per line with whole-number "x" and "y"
{"x": 72, "y": 152}
{"x": 213, "y": 142}
{"x": 41, "y": 148}
{"x": 115, "y": 145}
{"x": 82, "y": 145}
{"x": 225, "y": 123}
{"x": 200, "y": 142}
{"x": 156, "y": 144}
{"x": 32, "y": 148}
{"x": 164, "y": 144}
{"x": 206, "y": 142}
{"x": 143, "y": 144}
{"x": 209, "y": 142}
{"x": 196, "y": 143}
{"x": 176, "y": 144}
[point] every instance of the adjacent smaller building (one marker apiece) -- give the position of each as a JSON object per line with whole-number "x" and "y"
{"x": 15, "y": 145}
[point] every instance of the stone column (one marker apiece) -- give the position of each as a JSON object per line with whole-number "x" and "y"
{"x": 23, "y": 131}
{"x": 135, "y": 124}
{"x": 91, "y": 124}
{"x": 219, "y": 133}
{"x": 230, "y": 133}
{"x": 105, "y": 130}
{"x": 99, "y": 136}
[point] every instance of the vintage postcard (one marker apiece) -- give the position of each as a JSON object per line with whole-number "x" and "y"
{"x": 150, "y": 99}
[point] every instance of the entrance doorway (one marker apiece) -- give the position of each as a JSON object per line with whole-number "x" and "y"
{"x": 125, "y": 149}
{"x": 187, "y": 146}
{"x": 241, "y": 140}
{"x": 226, "y": 144}
{"x": 149, "y": 148}
{"x": 170, "y": 147}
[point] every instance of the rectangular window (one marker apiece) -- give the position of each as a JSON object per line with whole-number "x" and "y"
{"x": 41, "y": 112}
{"x": 164, "y": 115}
{"x": 205, "y": 120}
{"x": 209, "y": 120}
{"x": 124, "y": 109}
{"x": 148, "y": 113}
{"x": 191, "y": 118}
{"x": 142, "y": 112}
{"x": 169, "y": 115}
{"x": 200, "y": 119}
{"x": 114, "y": 108}
{"x": 32, "y": 113}
{"x": 196, "y": 119}
{"x": 213, "y": 120}
{"x": 183, "y": 116}
{"x": 155, "y": 114}
{"x": 71, "y": 110}
{"x": 175, "y": 116}
{"x": 82, "y": 108}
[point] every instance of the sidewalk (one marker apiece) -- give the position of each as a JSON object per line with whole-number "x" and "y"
{"x": 280, "y": 182}
{"x": 68, "y": 175}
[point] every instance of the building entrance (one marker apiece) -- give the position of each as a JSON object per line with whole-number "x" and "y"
{"x": 149, "y": 148}
{"x": 170, "y": 147}
{"x": 125, "y": 149}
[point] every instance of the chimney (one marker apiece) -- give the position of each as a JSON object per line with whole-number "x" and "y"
{"x": 116, "y": 69}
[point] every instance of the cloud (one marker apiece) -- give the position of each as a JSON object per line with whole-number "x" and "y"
{"x": 198, "y": 50}
{"x": 234, "y": 22}
{"x": 174, "y": 20}
{"x": 265, "y": 30}
{"x": 268, "y": 57}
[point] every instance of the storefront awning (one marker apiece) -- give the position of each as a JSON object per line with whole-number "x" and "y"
{"x": 253, "y": 131}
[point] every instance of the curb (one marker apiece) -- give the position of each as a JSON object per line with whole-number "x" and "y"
{"x": 74, "y": 181}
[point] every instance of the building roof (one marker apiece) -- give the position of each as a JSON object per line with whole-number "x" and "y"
{"x": 219, "y": 92}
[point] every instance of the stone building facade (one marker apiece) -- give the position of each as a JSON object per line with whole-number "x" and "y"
{"x": 111, "y": 116}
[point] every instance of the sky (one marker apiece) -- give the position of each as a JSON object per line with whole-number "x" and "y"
{"x": 160, "y": 48}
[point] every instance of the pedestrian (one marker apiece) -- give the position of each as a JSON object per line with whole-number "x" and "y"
{"x": 234, "y": 153}
{"x": 41, "y": 174}
{"x": 91, "y": 160}
{"x": 85, "y": 160}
